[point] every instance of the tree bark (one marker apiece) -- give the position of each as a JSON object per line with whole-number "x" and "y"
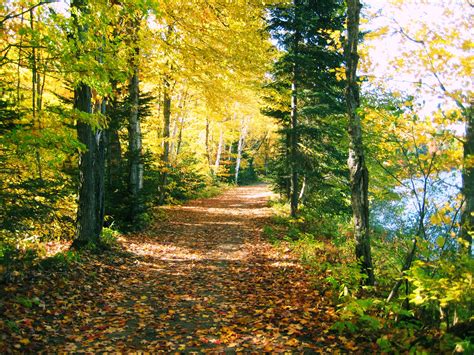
{"x": 467, "y": 216}
{"x": 90, "y": 212}
{"x": 294, "y": 148}
{"x": 359, "y": 176}
{"x": 165, "y": 157}
{"x": 180, "y": 136}
{"x": 35, "y": 88}
{"x": 219, "y": 150}
{"x": 177, "y": 127}
{"x": 114, "y": 148}
{"x": 294, "y": 117}
{"x": 207, "y": 143}
{"x": 288, "y": 165}
{"x": 135, "y": 147}
{"x": 240, "y": 148}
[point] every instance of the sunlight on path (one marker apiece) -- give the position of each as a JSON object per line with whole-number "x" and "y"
{"x": 203, "y": 279}
{"x": 221, "y": 228}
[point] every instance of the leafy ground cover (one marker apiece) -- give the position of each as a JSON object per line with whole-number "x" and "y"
{"x": 202, "y": 278}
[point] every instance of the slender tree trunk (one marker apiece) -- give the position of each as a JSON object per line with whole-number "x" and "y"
{"x": 219, "y": 150}
{"x": 114, "y": 158}
{"x": 240, "y": 148}
{"x": 294, "y": 148}
{"x": 288, "y": 165}
{"x": 207, "y": 143}
{"x": 267, "y": 156}
{"x": 177, "y": 127}
{"x": 174, "y": 133}
{"x": 135, "y": 147}
{"x": 34, "y": 99}
{"x": 467, "y": 216}
{"x": 166, "y": 137}
{"x": 114, "y": 149}
{"x": 359, "y": 176}
{"x": 90, "y": 212}
{"x": 294, "y": 117}
{"x": 303, "y": 189}
{"x": 18, "y": 71}
{"x": 180, "y": 136}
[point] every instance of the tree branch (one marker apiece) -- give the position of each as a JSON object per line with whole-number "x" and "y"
{"x": 13, "y": 15}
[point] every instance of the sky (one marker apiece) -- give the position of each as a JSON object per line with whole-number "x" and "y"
{"x": 442, "y": 18}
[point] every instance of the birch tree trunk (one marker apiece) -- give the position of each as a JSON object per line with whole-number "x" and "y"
{"x": 359, "y": 176}
{"x": 240, "y": 148}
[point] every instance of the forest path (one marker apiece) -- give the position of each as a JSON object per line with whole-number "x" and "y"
{"x": 202, "y": 279}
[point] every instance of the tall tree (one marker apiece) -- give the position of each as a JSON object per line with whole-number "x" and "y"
{"x": 307, "y": 32}
{"x": 134, "y": 129}
{"x": 359, "y": 175}
{"x": 467, "y": 217}
{"x": 165, "y": 156}
{"x": 90, "y": 212}
{"x": 294, "y": 109}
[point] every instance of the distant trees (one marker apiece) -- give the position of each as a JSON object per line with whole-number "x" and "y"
{"x": 85, "y": 90}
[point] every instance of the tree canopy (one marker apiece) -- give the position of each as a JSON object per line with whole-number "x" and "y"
{"x": 356, "y": 114}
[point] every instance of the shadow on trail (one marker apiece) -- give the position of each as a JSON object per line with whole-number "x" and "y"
{"x": 203, "y": 279}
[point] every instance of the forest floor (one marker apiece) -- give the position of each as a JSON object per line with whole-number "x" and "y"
{"x": 202, "y": 278}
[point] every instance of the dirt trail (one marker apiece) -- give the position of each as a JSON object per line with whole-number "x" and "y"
{"x": 203, "y": 279}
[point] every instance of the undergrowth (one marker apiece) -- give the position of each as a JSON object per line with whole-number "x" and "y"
{"x": 424, "y": 316}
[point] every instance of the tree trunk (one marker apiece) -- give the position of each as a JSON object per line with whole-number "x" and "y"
{"x": 288, "y": 165}
{"x": 166, "y": 137}
{"x": 114, "y": 149}
{"x": 180, "y": 136}
{"x": 177, "y": 127}
{"x": 174, "y": 133}
{"x": 135, "y": 148}
{"x": 359, "y": 176}
{"x": 294, "y": 147}
{"x": 240, "y": 148}
{"x": 467, "y": 216}
{"x": 294, "y": 117}
{"x": 35, "y": 87}
{"x": 207, "y": 144}
{"x": 219, "y": 150}
{"x": 303, "y": 189}
{"x": 90, "y": 213}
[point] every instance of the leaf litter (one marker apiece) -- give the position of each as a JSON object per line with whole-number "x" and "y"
{"x": 201, "y": 280}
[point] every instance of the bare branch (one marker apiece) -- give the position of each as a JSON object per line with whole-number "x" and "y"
{"x": 13, "y": 15}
